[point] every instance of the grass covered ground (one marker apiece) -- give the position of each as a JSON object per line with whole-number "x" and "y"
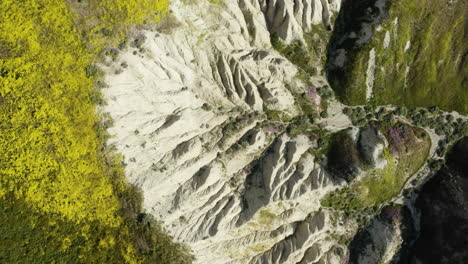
{"x": 407, "y": 152}
{"x": 62, "y": 198}
{"x": 424, "y": 63}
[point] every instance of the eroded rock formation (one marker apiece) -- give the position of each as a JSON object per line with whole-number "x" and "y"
{"x": 206, "y": 114}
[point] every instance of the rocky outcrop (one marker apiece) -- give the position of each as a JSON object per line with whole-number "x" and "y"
{"x": 381, "y": 239}
{"x": 290, "y": 19}
{"x": 371, "y": 145}
{"x": 443, "y": 205}
{"x": 221, "y": 133}
{"x": 190, "y": 112}
{"x": 354, "y": 150}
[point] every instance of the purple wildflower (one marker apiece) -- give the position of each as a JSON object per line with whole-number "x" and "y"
{"x": 271, "y": 129}
{"x": 312, "y": 93}
{"x": 393, "y": 214}
{"x": 395, "y": 135}
{"x": 398, "y": 136}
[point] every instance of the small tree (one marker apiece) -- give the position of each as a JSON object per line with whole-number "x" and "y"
{"x": 433, "y": 109}
{"x": 439, "y": 131}
{"x": 436, "y": 164}
{"x": 449, "y": 118}
{"x": 324, "y": 114}
{"x": 347, "y": 111}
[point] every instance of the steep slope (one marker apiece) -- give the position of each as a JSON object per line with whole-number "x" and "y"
{"x": 443, "y": 205}
{"x": 289, "y": 20}
{"x": 240, "y": 149}
{"x": 413, "y": 53}
{"x": 200, "y": 115}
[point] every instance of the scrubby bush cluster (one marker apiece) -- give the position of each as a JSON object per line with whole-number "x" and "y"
{"x": 346, "y": 200}
{"x": 325, "y": 92}
{"x": 298, "y": 125}
{"x": 296, "y": 52}
{"x": 444, "y": 125}
{"x": 436, "y": 164}
{"x": 358, "y": 116}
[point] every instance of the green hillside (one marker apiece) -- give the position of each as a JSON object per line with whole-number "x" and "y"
{"x": 424, "y": 63}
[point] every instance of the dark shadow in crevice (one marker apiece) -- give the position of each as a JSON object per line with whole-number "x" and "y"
{"x": 443, "y": 205}
{"x": 353, "y": 30}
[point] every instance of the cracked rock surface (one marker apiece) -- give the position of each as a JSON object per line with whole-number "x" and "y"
{"x": 211, "y": 122}
{"x": 189, "y": 118}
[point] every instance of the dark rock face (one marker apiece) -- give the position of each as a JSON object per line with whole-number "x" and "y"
{"x": 443, "y": 204}
{"x": 354, "y": 28}
{"x": 372, "y": 240}
{"x": 366, "y": 245}
{"x": 344, "y": 158}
